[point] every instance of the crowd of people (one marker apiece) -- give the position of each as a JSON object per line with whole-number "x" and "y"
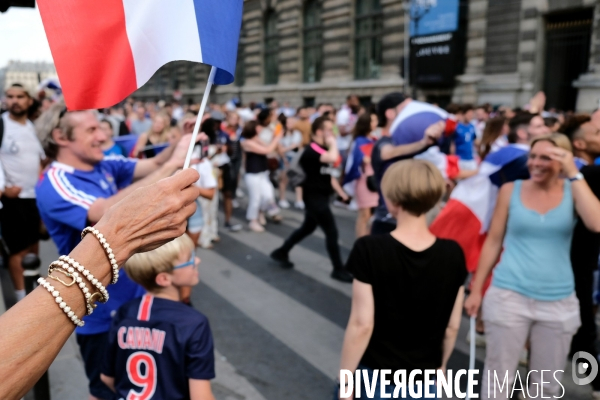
{"x": 63, "y": 170}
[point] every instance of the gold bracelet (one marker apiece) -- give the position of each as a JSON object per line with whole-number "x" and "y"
{"x": 61, "y": 304}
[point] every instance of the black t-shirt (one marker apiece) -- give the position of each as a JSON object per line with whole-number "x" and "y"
{"x": 256, "y": 163}
{"x": 318, "y": 174}
{"x": 414, "y": 295}
{"x": 585, "y": 247}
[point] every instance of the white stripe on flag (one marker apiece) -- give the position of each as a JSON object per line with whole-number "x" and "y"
{"x": 160, "y": 31}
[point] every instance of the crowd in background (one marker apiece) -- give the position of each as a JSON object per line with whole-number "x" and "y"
{"x": 253, "y": 154}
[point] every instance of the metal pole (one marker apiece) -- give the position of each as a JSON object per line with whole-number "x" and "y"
{"x": 211, "y": 79}
{"x": 31, "y": 273}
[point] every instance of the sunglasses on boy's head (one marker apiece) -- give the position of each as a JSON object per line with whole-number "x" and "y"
{"x": 192, "y": 261}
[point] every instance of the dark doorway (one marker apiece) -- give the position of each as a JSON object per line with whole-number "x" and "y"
{"x": 568, "y": 37}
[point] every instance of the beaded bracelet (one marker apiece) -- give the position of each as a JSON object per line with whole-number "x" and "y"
{"x": 61, "y": 267}
{"x": 87, "y": 274}
{"x": 107, "y": 250}
{"x": 63, "y": 306}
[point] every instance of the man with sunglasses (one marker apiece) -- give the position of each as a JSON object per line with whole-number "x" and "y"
{"x": 75, "y": 191}
{"x": 584, "y": 132}
{"x": 20, "y": 154}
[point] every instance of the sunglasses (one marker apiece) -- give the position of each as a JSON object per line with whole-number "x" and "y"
{"x": 192, "y": 261}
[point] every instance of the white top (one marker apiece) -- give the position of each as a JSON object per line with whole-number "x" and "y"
{"x": 20, "y": 155}
{"x": 292, "y": 139}
{"x": 207, "y": 178}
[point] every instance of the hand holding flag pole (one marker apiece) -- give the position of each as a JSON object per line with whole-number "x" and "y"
{"x": 211, "y": 79}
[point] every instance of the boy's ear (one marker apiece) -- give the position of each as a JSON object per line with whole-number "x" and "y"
{"x": 163, "y": 279}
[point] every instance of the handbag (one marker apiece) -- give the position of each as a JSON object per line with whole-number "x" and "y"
{"x": 295, "y": 173}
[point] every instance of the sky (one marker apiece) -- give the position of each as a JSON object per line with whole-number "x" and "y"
{"x": 22, "y": 36}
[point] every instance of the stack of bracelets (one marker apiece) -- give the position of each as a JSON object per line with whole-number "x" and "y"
{"x": 75, "y": 274}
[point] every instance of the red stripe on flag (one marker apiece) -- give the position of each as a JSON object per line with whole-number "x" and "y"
{"x": 145, "y": 308}
{"x": 457, "y": 222}
{"x": 91, "y": 51}
{"x": 452, "y": 168}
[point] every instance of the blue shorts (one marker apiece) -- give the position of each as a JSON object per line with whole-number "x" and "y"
{"x": 196, "y": 221}
{"x": 93, "y": 351}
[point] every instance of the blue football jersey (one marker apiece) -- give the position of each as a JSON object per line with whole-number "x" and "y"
{"x": 65, "y": 194}
{"x": 464, "y": 138}
{"x": 155, "y": 346}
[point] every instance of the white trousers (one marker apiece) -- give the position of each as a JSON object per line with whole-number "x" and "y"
{"x": 510, "y": 318}
{"x": 210, "y": 230}
{"x": 260, "y": 194}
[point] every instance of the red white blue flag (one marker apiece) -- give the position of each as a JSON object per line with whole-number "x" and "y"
{"x": 104, "y": 50}
{"x": 467, "y": 215}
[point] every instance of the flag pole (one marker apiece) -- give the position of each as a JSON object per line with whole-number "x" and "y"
{"x": 211, "y": 79}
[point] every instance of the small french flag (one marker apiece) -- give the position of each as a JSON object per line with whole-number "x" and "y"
{"x": 104, "y": 50}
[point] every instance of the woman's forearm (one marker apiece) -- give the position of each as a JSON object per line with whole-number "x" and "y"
{"x": 35, "y": 329}
{"x": 448, "y": 345}
{"x": 356, "y": 340}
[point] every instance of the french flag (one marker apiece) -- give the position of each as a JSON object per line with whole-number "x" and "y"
{"x": 467, "y": 215}
{"x": 409, "y": 126}
{"x": 104, "y": 50}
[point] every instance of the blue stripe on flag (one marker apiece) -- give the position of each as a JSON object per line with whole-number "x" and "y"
{"x": 219, "y": 24}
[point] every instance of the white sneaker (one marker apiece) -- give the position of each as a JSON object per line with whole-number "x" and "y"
{"x": 239, "y": 193}
{"x": 284, "y": 204}
{"x": 299, "y": 205}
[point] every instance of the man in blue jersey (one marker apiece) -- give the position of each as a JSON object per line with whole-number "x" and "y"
{"x": 386, "y": 152}
{"x": 76, "y": 190}
{"x": 464, "y": 139}
{"x": 158, "y": 347}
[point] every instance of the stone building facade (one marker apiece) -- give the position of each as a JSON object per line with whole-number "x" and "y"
{"x": 29, "y": 74}
{"x": 313, "y": 51}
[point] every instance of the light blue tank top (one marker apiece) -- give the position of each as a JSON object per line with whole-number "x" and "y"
{"x": 536, "y": 259}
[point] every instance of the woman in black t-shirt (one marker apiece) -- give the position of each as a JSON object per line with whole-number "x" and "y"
{"x": 261, "y": 197}
{"x": 411, "y": 278}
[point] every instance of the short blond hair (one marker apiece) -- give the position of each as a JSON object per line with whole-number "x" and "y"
{"x": 144, "y": 267}
{"x": 557, "y": 139}
{"x": 415, "y": 185}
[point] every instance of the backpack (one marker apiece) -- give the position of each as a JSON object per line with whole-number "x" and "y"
{"x": 295, "y": 173}
{"x": 1, "y": 129}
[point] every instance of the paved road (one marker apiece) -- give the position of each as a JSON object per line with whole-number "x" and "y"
{"x": 278, "y": 333}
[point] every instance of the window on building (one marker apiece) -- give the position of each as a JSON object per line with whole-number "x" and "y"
{"x": 368, "y": 39}
{"x": 271, "y": 48}
{"x": 240, "y": 70}
{"x": 173, "y": 78}
{"x": 191, "y": 76}
{"x": 309, "y": 101}
{"x": 313, "y": 45}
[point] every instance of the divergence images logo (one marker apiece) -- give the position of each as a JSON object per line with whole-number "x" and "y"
{"x": 588, "y": 367}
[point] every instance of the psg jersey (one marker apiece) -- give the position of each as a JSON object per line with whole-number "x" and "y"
{"x": 155, "y": 346}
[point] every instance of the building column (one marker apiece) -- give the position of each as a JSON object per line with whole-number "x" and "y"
{"x": 466, "y": 88}
{"x": 588, "y": 97}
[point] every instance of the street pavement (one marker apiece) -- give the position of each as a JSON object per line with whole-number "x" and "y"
{"x": 278, "y": 333}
